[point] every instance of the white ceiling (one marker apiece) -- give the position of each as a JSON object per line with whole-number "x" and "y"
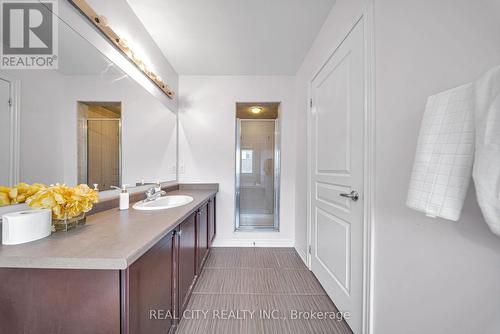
{"x": 233, "y": 37}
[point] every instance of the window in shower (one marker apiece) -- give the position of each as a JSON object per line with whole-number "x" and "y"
{"x": 246, "y": 161}
{"x": 257, "y": 166}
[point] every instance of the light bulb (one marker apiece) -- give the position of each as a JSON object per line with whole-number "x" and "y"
{"x": 256, "y": 110}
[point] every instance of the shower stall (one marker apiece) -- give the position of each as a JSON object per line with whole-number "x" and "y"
{"x": 257, "y": 168}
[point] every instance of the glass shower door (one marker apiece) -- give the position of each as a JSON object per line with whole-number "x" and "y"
{"x": 256, "y": 154}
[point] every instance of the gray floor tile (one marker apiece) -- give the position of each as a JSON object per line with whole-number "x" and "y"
{"x": 265, "y": 288}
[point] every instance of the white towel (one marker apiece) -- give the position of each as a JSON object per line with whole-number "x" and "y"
{"x": 487, "y": 159}
{"x": 444, "y": 157}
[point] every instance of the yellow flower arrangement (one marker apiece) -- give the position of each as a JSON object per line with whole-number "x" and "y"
{"x": 65, "y": 202}
{"x": 19, "y": 193}
{"x": 82, "y": 199}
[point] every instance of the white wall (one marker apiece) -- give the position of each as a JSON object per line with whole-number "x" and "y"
{"x": 207, "y": 117}
{"x": 431, "y": 275}
{"x": 40, "y": 124}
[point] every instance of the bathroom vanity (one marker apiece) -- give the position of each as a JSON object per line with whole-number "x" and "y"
{"x": 128, "y": 271}
{"x": 123, "y": 272}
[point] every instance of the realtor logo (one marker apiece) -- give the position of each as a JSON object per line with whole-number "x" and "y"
{"x": 29, "y": 34}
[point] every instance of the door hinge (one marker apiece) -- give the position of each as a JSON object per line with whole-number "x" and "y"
{"x": 310, "y": 249}
{"x": 10, "y": 102}
{"x": 311, "y": 103}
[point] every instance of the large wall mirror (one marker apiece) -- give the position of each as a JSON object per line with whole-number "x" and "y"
{"x": 84, "y": 122}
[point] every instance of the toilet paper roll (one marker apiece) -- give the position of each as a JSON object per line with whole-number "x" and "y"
{"x": 26, "y": 226}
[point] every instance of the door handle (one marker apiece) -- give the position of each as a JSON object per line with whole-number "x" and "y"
{"x": 353, "y": 195}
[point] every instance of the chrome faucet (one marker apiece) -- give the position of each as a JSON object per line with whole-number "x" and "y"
{"x": 152, "y": 194}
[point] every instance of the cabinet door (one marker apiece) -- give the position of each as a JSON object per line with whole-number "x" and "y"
{"x": 150, "y": 290}
{"x": 76, "y": 301}
{"x": 202, "y": 235}
{"x": 211, "y": 221}
{"x": 186, "y": 260}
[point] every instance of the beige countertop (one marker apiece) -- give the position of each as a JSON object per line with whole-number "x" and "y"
{"x": 111, "y": 239}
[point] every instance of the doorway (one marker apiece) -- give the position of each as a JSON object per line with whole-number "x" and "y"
{"x": 9, "y": 130}
{"x": 5, "y": 130}
{"x": 336, "y": 185}
{"x": 257, "y": 166}
{"x": 99, "y": 144}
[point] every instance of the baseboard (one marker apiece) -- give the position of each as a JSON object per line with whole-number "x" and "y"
{"x": 253, "y": 243}
{"x": 302, "y": 255}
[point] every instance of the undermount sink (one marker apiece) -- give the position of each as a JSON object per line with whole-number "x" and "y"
{"x": 166, "y": 202}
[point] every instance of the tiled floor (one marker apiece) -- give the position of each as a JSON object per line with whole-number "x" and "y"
{"x": 258, "y": 290}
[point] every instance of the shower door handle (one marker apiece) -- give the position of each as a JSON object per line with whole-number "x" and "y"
{"x": 353, "y": 195}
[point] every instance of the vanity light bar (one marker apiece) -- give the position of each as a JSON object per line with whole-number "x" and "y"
{"x": 101, "y": 23}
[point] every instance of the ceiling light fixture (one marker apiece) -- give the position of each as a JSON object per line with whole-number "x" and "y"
{"x": 256, "y": 110}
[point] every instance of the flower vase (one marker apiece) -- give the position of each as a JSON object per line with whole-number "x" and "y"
{"x": 67, "y": 224}
{"x": 82, "y": 219}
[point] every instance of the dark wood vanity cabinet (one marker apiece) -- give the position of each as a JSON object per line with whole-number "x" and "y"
{"x": 148, "y": 287}
{"x": 76, "y": 301}
{"x": 186, "y": 260}
{"x": 163, "y": 278}
{"x": 147, "y": 297}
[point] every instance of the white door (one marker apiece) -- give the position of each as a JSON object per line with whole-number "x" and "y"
{"x": 5, "y": 133}
{"x": 337, "y": 129}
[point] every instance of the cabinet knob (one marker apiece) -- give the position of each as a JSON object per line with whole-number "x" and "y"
{"x": 179, "y": 233}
